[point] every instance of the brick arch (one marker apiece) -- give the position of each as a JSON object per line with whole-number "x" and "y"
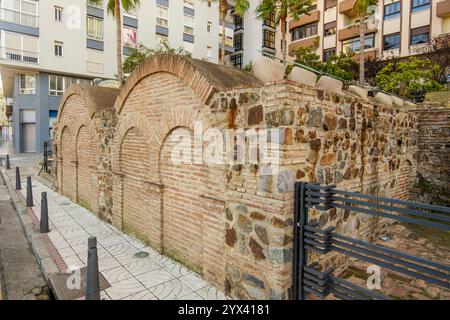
{"x": 204, "y": 78}
{"x": 77, "y": 109}
{"x": 85, "y": 170}
{"x": 133, "y": 210}
{"x": 94, "y": 98}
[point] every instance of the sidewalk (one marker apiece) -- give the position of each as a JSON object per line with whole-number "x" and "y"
{"x": 131, "y": 278}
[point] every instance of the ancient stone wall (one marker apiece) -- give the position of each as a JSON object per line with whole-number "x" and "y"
{"x": 230, "y": 221}
{"x": 432, "y": 183}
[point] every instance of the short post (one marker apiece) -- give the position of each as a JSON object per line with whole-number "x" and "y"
{"x": 44, "y": 213}
{"x": 18, "y": 184}
{"x": 8, "y": 164}
{"x": 29, "y": 193}
{"x": 92, "y": 278}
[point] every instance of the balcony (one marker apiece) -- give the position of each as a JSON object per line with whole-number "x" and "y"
{"x": 369, "y": 54}
{"x": 314, "y": 16}
{"x": 18, "y": 55}
{"x": 352, "y": 31}
{"x": 346, "y": 7}
{"x": 302, "y": 43}
{"x": 443, "y": 9}
{"x": 17, "y": 17}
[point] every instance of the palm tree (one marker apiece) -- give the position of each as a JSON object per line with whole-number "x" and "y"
{"x": 283, "y": 9}
{"x": 240, "y": 6}
{"x": 361, "y": 9}
{"x": 115, "y": 7}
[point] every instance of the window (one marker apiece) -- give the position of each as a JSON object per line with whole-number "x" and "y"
{"x": 237, "y": 42}
{"x": 304, "y": 31}
{"x": 58, "y": 14}
{"x": 160, "y": 38}
{"x": 208, "y": 52}
{"x": 391, "y": 41}
{"x": 58, "y": 49}
{"x": 94, "y": 28}
{"x": 269, "y": 39}
{"x": 162, "y": 16}
{"x": 237, "y": 22}
{"x": 420, "y": 35}
{"x": 392, "y": 11}
{"x": 330, "y": 4}
{"x": 330, "y": 28}
{"x": 129, "y": 36}
{"x": 20, "y": 12}
{"x": 208, "y": 26}
{"x": 27, "y": 84}
{"x": 188, "y": 24}
{"x": 352, "y": 45}
{"x": 328, "y": 53}
{"x": 236, "y": 61}
{"x": 55, "y": 85}
{"x": 419, "y": 5}
{"x": 270, "y": 20}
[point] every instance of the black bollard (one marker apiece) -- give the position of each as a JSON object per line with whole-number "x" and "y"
{"x": 44, "y": 213}
{"x": 29, "y": 193}
{"x": 18, "y": 184}
{"x": 8, "y": 164}
{"x": 93, "y": 281}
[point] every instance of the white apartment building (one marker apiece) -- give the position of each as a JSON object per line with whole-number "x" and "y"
{"x": 254, "y": 36}
{"x": 47, "y": 45}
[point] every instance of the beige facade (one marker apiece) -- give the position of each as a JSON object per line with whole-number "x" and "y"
{"x": 397, "y": 28}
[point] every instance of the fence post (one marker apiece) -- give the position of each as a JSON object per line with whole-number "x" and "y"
{"x": 92, "y": 279}
{"x": 8, "y": 164}
{"x": 29, "y": 193}
{"x": 44, "y": 213}
{"x": 18, "y": 183}
{"x": 300, "y": 255}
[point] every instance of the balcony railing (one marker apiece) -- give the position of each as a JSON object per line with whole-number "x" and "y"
{"x": 22, "y": 18}
{"x": 19, "y": 55}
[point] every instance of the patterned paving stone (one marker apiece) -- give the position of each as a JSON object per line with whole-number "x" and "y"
{"x": 124, "y": 288}
{"x": 154, "y": 278}
{"x": 173, "y": 289}
{"x": 116, "y": 274}
{"x": 193, "y": 281}
{"x": 141, "y": 266}
{"x": 211, "y": 293}
{"x": 143, "y": 295}
{"x": 177, "y": 269}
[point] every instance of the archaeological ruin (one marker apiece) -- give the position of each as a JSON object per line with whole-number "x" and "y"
{"x": 229, "y": 221}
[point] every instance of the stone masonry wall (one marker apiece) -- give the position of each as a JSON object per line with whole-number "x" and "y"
{"x": 432, "y": 183}
{"x": 232, "y": 222}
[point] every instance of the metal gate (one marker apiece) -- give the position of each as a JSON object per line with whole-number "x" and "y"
{"x": 309, "y": 237}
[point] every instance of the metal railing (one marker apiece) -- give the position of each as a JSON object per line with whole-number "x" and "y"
{"x": 22, "y": 18}
{"x": 19, "y": 55}
{"x": 309, "y": 237}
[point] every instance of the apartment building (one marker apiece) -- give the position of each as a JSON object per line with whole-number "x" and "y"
{"x": 47, "y": 45}
{"x": 254, "y": 36}
{"x": 400, "y": 27}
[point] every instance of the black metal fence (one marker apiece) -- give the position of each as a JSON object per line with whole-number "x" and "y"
{"x": 48, "y": 156}
{"x": 309, "y": 237}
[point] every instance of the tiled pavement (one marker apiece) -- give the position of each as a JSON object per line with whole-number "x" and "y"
{"x": 149, "y": 278}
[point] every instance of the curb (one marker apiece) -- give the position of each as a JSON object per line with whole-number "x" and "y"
{"x": 35, "y": 239}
